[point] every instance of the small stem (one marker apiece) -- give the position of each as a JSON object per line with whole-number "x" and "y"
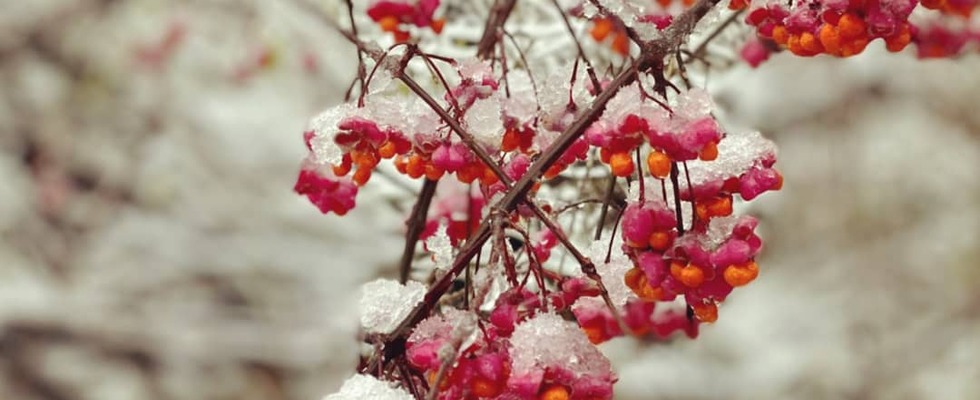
{"x": 690, "y": 190}
{"x": 699, "y": 51}
{"x": 639, "y": 176}
{"x": 527, "y": 67}
{"x": 578, "y": 45}
{"x": 677, "y": 197}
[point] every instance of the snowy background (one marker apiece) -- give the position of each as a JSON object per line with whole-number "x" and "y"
{"x": 151, "y": 246}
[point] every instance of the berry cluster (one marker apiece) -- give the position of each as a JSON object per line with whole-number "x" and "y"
{"x": 657, "y": 14}
{"x": 523, "y": 352}
{"x": 394, "y": 16}
{"x": 353, "y": 141}
{"x": 840, "y": 28}
{"x": 688, "y": 134}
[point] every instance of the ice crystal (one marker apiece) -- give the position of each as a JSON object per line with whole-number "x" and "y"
{"x": 441, "y": 248}
{"x": 366, "y": 387}
{"x": 483, "y": 121}
{"x": 612, "y": 272}
{"x": 324, "y": 127}
{"x": 548, "y": 341}
{"x": 737, "y": 153}
{"x": 385, "y": 303}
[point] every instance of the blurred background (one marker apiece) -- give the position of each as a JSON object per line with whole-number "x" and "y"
{"x": 151, "y": 246}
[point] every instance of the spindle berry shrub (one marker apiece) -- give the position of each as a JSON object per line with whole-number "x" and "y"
{"x": 543, "y": 160}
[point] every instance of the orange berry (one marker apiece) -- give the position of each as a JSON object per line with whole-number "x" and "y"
{"x": 742, "y": 274}
{"x": 402, "y": 36}
{"x": 489, "y": 178}
{"x": 389, "y": 23}
{"x": 898, "y": 41}
{"x": 853, "y": 47}
{"x": 634, "y": 278}
{"x": 690, "y": 275}
{"x": 555, "y": 392}
{"x": 343, "y": 168}
{"x": 830, "y": 39}
{"x": 361, "y": 176}
{"x": 709, "y": 152}
{"x": 810, "y": 43}
{"x": 659, "y": 240}
{"x": 621, "y": 44}
{"x": 659, "y": 164}
{"x": 621, "y": 164}
{"x": 387, "y": 150}
{"x": 649, "y": 293}
{"x": 511, "y": 141}
{"x": 701, "y": 210}
{"x": 433, "y": 173}
{"x": 437, "y": 25}
{"x": 793, "y": 44}
{"x": 595, "y": 334}
{"x": 469, "y": 173}
{"x": 736, "y": 5}
{"x": 415, "y": 167}
{"x": 706, "y": 312}
{"x": 852, "y": 26}
{"x": 780, "y": 35}
{"x": 483, "y": 387}
{"x": 601, "y": 28}
{"x": 401, "y": 164}
{"x": 779, "y": 181}
{"x": 720, "y": 207}
{"x": 664, "y": 3}
{"x": 365, "y": 159}
{"x": 553, "y": 171}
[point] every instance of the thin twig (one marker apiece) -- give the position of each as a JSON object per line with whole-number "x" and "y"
{"x": 578, "y": 45}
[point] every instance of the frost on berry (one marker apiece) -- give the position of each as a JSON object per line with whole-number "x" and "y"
{"x": 324, "y": 128}
{"x": 483, "y": 120}
{"x": 477, "y": 82}
{"x": 431, "y": 336}
{"x": 441, "y": 248}
{"x": 547, "y": 349}
{"x": 385, "y": 303}
{"x": 744, "y": 166}
{"x": 360, "y": 387}
{"x": 612, "y": 272}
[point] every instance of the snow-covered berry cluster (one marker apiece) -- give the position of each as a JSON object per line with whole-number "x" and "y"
{"x": 531, "y": 152}
{"x": 844, "y": 28}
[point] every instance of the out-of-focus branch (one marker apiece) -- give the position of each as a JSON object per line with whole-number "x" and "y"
{"x": 498, "y": 17}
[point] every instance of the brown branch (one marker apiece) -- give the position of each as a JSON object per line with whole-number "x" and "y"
{"x": 499, "y": 14}
{"x": 416, "y": 224}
